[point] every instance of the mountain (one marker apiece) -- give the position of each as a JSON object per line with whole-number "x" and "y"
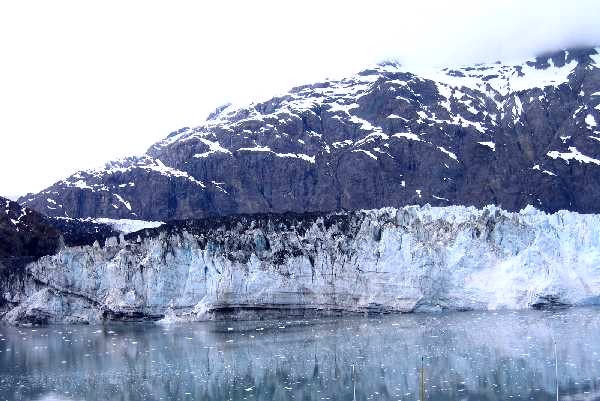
{"x": 388, "y": 260}
{"x": 509, "y": 134}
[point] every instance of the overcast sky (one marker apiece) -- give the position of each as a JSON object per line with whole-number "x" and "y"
{"x": 84, "y": 82}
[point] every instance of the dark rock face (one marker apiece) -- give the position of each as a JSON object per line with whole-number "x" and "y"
{"x": 25, "y": 234}
{"x": 81, "y": 232}
{"x": 509, "y": 135}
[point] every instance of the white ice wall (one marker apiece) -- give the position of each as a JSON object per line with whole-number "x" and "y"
{"x": 409, "y": 259}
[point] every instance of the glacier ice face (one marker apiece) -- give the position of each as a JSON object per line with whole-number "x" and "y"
{"x": 401, "y": 260}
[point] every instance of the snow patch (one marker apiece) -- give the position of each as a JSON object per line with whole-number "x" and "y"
{"x": 517, "y": 110}
{"x": 590, "y": 122}
{"x": 161, "y": 168}
{"x": 301, "y": 156}
{"x": 255, "y": 149}
{"x": 490, "y": 145}
{"x": 371, "y": 137}
{"x": 123, "y": 201}
{"x": 573, "y": 154}
{"x": 127, "y": 226}
{"x": 450, "y": 154}
{"x": 213, "y": 147}
{"x": 371, "y": 155}
{"x": 407, "y": 135}
{"x": 266, "y": 149}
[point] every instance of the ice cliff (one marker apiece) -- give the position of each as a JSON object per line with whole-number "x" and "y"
{"x": 388, "y": 260}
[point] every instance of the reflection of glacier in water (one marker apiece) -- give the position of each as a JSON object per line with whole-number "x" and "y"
{"x": 470, "y": 355}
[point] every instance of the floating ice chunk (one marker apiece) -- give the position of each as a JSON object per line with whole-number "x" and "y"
{"x": 169, "y": 318}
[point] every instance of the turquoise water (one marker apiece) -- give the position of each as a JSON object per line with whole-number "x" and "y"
{"x": 466, "y": 356}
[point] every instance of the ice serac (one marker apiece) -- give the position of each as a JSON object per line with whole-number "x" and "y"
{"x": 388, "y": 260}
{"x": 510, "y": 134}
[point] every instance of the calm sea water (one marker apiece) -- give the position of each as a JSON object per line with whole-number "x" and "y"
{"x": 466, "y": 356}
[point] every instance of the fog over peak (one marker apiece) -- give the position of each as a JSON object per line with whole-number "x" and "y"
{"x": 85, "y": 83}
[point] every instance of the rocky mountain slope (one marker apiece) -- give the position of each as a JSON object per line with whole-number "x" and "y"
{"x": 509, "y": 134}
{"x": 28, "y": 235}
{"x": 25, "y": 234}
{"x": 409, "y": 259}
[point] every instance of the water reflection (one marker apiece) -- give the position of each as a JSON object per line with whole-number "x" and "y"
{"x": 467, "y": 356}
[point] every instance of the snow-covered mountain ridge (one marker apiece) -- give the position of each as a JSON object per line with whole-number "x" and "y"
{"x": 508, "y": 134}
{"x": 388, "y": 260}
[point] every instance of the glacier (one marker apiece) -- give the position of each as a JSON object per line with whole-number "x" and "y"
{"x": 410, "y": 259}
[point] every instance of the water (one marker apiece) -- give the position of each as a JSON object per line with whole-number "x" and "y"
{"x": 467, "y": 356}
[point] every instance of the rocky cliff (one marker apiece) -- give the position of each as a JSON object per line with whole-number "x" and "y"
{"x": 508, "y": 134}
{"x": 403, "y": 260}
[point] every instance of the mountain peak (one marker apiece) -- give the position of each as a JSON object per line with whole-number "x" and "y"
{"x": 505, "y": 133}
